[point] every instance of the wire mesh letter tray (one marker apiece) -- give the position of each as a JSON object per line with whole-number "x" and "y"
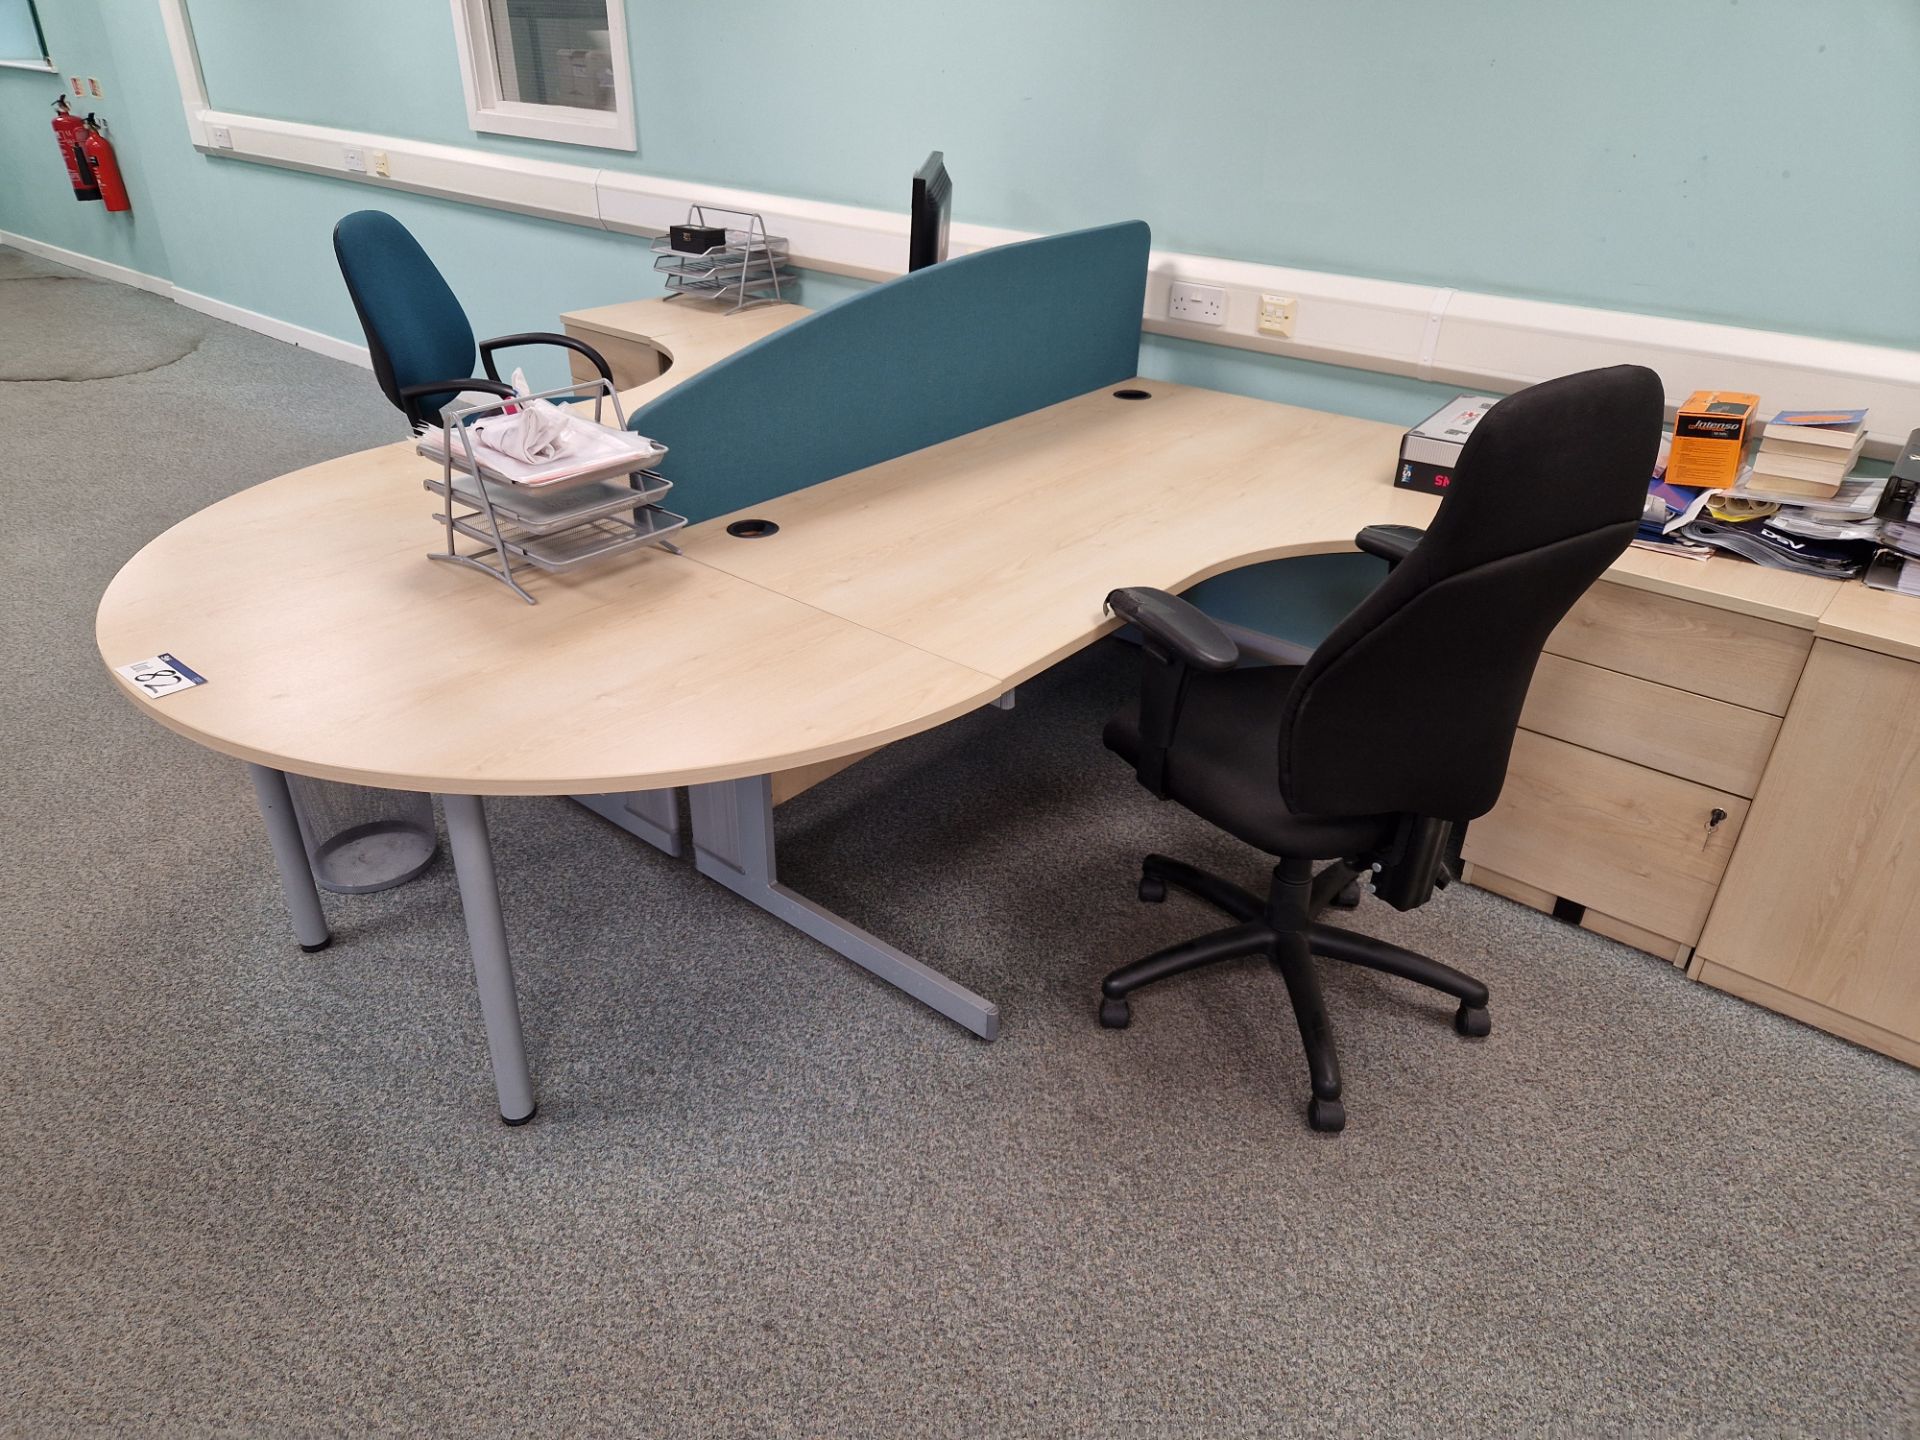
{"x": 554, "y": 526}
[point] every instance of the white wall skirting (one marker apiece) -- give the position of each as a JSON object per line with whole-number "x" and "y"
{"x": 285, "y": 330}
{"x": 300, "y": 335}
{"x": 104, "y": 269}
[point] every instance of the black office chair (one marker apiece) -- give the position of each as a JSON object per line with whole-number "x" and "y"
{"x": 1399, "y": 726}
{"x": 417, "y": 333}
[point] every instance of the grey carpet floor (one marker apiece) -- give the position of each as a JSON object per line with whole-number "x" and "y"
{"x": 248, "y": 1192}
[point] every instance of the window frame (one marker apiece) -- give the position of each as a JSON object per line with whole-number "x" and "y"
{"x": 490, "y": 113}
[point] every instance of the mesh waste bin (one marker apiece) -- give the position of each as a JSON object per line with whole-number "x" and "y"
{"x": 359, "y": 839}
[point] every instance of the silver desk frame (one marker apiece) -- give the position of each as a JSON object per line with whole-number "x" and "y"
{"x": 733, "y": 843}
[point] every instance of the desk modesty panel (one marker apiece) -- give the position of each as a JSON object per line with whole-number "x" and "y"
{"x": 933, "y": 355}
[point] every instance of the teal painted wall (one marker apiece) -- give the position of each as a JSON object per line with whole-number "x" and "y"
{"x": 1676, "y": 159}
{"x": 19, "y": 40}
{"x": 35, "y": 198}
{"x": 1749, "y": 162}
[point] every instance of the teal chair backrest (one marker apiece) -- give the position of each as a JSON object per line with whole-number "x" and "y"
{"x": 921, "y": 359}
{"x": 416, "y": 331}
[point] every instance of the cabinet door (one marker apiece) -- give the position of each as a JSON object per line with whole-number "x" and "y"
{"x": 1819, "y": 915}
{"x": 1644, "y": 847}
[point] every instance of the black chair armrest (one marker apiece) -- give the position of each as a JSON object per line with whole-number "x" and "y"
{"x": 410, "y": 393}
{"x": 1175, "y": 637}
{"x": 1181, "y": 629}
{"x": 1265, "y": 649}
{"x": 1392, "y": 543}
{"x": 542, "y": 337}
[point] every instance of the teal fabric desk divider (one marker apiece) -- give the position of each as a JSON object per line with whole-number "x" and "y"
{"x": 932, "y": 355}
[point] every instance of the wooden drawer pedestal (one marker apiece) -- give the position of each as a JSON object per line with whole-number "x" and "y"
{"x": 1644, "y": 737}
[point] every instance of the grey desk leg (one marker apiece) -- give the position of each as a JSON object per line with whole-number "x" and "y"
{"x": 492, "y": 969}
{"x": 653, "y": 815}
{"x": 290, "y": 857}
{"x": 733, "y": 843}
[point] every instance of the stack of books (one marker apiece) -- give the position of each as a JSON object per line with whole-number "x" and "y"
{"x": 1808, "y": 452}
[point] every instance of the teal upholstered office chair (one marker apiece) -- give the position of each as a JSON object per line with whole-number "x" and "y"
{"x": 1398, "y": 726}
{"x": 421, "y": 342}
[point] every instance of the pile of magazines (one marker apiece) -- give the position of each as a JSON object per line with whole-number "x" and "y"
{"x": 1868, "y": 527}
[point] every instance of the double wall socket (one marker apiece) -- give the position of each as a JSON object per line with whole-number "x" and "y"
{"x": 1197, "y": 304}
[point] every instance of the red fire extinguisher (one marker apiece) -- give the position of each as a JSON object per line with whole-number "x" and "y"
{"x": 70, "y": 130}
{"x": 106, "y": 169}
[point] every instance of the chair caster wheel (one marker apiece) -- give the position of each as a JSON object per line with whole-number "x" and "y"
{"x": 1152, "y": 889}
{"x": 1473, "y": 1021}
{"x": 1115, "y": 1013}
{"x": 1327, "y": 1116}
{"x": 1347, "y": 899}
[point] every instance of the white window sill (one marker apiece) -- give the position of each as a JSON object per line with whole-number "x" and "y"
{"x": 605, "y": 129}
{"x": 44, "y": 67}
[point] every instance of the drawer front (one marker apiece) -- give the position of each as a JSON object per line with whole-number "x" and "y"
{"x": 1737, "y": 658}
{"x": 1679, "y": 733}
{"x": 1630, "y": 842}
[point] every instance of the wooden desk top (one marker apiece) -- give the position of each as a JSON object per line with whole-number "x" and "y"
{"x": 997, "y": 550}
{"x": 1873, "y": 620}
{"x": 332, "y": 647}
{"x": 690, "y": 334}
{"x": 891, "y": 600}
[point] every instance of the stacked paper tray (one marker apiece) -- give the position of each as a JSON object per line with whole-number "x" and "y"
{"x": 546, "y": 509}
{"x": 598, "y": 501}
{"x": 576, "y": 543}
{"x": 504, "y": 473}
{"x": 752, "y": 265}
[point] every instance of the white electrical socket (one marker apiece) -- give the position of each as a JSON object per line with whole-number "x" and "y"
{"x": 380, "y": 166}
{"x": 1276, "y": 315}
{"x": 221, "y": 136}
{"x": 356, "y": 160}
{"x": 1197, "y": 304}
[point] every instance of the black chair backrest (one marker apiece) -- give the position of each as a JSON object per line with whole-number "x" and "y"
{"x": 416, "y": 330}
{"x": 1410, "y": 705}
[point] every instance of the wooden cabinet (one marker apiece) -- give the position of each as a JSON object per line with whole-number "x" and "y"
{"x": 633, "y": 362}
{"x": 1819, "y": 914}
{"x": 1649, "y": 724}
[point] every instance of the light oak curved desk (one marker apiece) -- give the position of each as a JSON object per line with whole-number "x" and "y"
{"x": 891, "y": 600}
{"x": 885, "y": 606}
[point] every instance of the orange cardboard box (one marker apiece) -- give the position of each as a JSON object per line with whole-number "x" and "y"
{"x": 1709, "y": 435}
